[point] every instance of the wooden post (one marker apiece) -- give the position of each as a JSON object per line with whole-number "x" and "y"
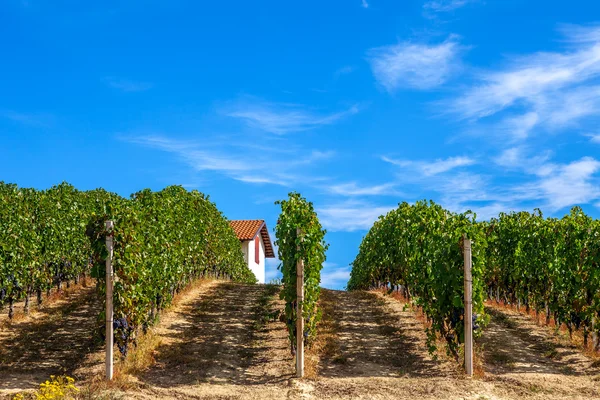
{"x": 109, "y": 301}
{"x": 299, "y": 316}
{"x": 468, "y": 321}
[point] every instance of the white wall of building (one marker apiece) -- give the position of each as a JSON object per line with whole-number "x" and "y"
{"x": 248, "y": 250}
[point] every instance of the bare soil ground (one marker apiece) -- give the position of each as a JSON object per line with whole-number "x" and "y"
{"x": 51, "y": 341}
{"x": 374, "y": 339}
{"x": 222, "y": 340}
{"x": 219, "y": 342}
{"x": 518, "y": 352}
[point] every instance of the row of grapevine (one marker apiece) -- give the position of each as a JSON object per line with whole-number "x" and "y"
{"x": 162, "y": 241}
{"x": 420, "y": 248}
{"x": 547, "y": 264}
{"x": 310, "y": 246}
{"x": 42, "y": 238}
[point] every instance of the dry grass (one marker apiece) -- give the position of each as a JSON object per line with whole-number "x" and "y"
{"x": 18, "y": 316}
{"x": 384, "y": 339}
{"x": 142, "y": 355}
{"x": 478, "y": 361}
{"x": 326, "y": 344}
{"x": 65, "y": 292}
{"x": 185, "y": 291}
{"x": 100, "y": 389}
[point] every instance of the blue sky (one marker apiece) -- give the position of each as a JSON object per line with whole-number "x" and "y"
{"x": 358, "y": 104}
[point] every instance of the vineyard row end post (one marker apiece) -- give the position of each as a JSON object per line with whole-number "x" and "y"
{"x": 299, "y": 316}
{"x": 468, "y": 318}
{"x": 109, "y": 300}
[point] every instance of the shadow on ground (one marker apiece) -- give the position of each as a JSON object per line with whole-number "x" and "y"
{"x": 371, "y": 341}
{"x": 511, "y": 346}
{"x": 215, "y": 340}
{"x": 54, "y": 342}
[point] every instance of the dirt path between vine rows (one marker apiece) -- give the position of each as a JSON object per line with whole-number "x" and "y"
{"x": 520, "y": 353}
{"x": 222, "y": 340}
{"x": 213, "y": 349}
{"x": 217, "y": 343}
{"x": 51, "y": 341}
{"x": 374, "y": 340}
{"x": 369, "y": 347}
{"x": 374, "y": 349}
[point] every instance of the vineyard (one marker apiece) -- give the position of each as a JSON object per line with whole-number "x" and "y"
{"x": 44, "y": 242}
{"x": 546, "y": 264}
{"x": 163, "y": 241}
{"x": 190, "y": 322}
{"x": 300, "y": 239}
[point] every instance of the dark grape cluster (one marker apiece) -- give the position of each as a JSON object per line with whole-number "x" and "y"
{"x": 475, "y": 323}
{"x": 456, "y": 317}
{"x": 122, "y": 334}
{"x": 575, "y": 319}
{"x": 60, "y": 269}
{"x": 15, "y": 282}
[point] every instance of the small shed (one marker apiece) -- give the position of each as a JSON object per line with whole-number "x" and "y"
{"x": 256, "y": 244}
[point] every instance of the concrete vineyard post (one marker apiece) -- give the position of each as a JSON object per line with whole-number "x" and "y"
{"x": 299, "y": 317}
{"x": 109, "y": 300}
{"x": 468, "y": 319}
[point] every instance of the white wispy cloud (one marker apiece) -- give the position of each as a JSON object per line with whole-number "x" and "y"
{"x": 518, "y": 127}
{"x": 465, "y": 190}
{"x": 233, "y": 160}
{"x": 429, "y": 168}
{"x": 334, "y": 276}
{"x": 127, "y": 85}
{"x": 581, "y": 34}
{"x": 354, "y": 189}
{"x": 365, "y": 4}
{"x": 551, "y": 90}
{"x": 520, "y": 158}
{"x": 569, "y": 184}
{"x": 549, "y": 185}
{"x": 594, "y": 138}
{"x": 415, "y": 65}
{"x": 281, "y": 118}
{"x": 271, "y": 271}
{"x": 445, "y": 5}
{"x": 350, "y": 216}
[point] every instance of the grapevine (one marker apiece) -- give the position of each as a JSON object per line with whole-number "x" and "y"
{"x": 310, "y": 247}
{"x": 162, "y": 241}
{"x": 419, "y": 247}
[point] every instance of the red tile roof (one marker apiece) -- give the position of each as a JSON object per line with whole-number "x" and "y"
{"x": 248, "y": 229}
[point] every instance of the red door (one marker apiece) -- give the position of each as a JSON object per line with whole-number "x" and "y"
{"x": 257, "y": 250}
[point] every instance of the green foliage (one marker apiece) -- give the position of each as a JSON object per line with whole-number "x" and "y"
{"x": 550, "y": 265}
{"x": 42, "y": 235}
{"x": 297, "y": 213}
{"x": 162, "y": 241}
{"x": 420, "y": 247}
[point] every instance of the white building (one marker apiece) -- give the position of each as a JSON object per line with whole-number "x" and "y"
{"x": 256, "y": 244}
